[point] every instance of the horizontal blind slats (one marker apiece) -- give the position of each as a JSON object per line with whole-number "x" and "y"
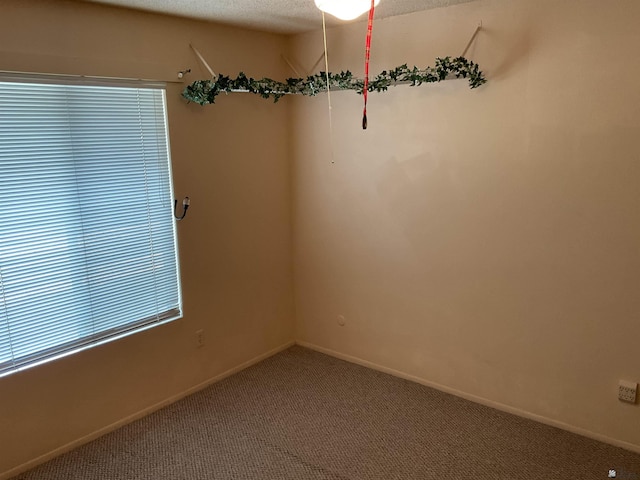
{"x": 88, "y": 250}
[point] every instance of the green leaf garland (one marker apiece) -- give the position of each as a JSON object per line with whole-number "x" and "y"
{"x": 205, "y": 92}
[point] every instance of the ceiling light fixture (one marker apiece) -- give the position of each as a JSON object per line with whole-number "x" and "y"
{"x": 345, "y": 9}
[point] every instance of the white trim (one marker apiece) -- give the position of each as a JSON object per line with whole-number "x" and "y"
{"x": 136, "y": 416}
{"x": 473, "y": 398}
{"x": 93, "y": 80}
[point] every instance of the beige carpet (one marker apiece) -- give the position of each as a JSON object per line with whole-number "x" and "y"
{"x": 304, "y": 415}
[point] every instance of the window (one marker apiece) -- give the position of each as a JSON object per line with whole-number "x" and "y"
{"x": 87, "y": 237}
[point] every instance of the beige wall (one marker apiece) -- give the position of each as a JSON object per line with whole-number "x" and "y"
{"x": 486, "y": 241}
{"x": 235, "y": 244}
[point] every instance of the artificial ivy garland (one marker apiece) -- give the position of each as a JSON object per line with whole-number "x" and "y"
{"x": 204, "y": 92}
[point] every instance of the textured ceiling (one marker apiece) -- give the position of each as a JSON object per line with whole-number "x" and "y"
{"x": 280, "y": 16}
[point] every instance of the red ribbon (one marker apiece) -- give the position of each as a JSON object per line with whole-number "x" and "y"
{"x": 367, "y": 53}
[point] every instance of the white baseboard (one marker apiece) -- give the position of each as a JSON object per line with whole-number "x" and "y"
{"x": 136, "y": 416}
{"x": 482, "y": 401}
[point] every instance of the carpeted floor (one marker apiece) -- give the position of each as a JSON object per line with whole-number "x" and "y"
{"x": 303, "y": 415}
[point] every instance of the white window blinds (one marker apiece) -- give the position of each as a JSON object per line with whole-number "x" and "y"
{"x": 87, "y": 237}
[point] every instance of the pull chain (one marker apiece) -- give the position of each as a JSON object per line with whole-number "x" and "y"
{"x": 326, "y": 72}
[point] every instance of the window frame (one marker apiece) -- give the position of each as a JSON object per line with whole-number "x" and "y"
{"x": 110, "y": 334}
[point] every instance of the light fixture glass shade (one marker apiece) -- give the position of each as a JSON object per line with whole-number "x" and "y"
{"x": 345, "y": 9}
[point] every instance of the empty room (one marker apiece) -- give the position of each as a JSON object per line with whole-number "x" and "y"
{"x": 272, "y": 240}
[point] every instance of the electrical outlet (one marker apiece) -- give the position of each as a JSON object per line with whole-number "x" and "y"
{"x": 200, "y": 338}
{"x": 627, "y": 391}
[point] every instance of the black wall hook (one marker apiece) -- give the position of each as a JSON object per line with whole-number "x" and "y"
{"x": 185, "y": 206}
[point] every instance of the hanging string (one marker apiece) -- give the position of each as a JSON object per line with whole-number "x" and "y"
{"x": 367, "y": 53}
{"x": 326, "y": 71}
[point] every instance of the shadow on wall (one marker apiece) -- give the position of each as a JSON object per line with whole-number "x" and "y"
{"x": 510, "y": 55}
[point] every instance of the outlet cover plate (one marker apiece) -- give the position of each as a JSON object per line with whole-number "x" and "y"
{"x": 627, "y": 391}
